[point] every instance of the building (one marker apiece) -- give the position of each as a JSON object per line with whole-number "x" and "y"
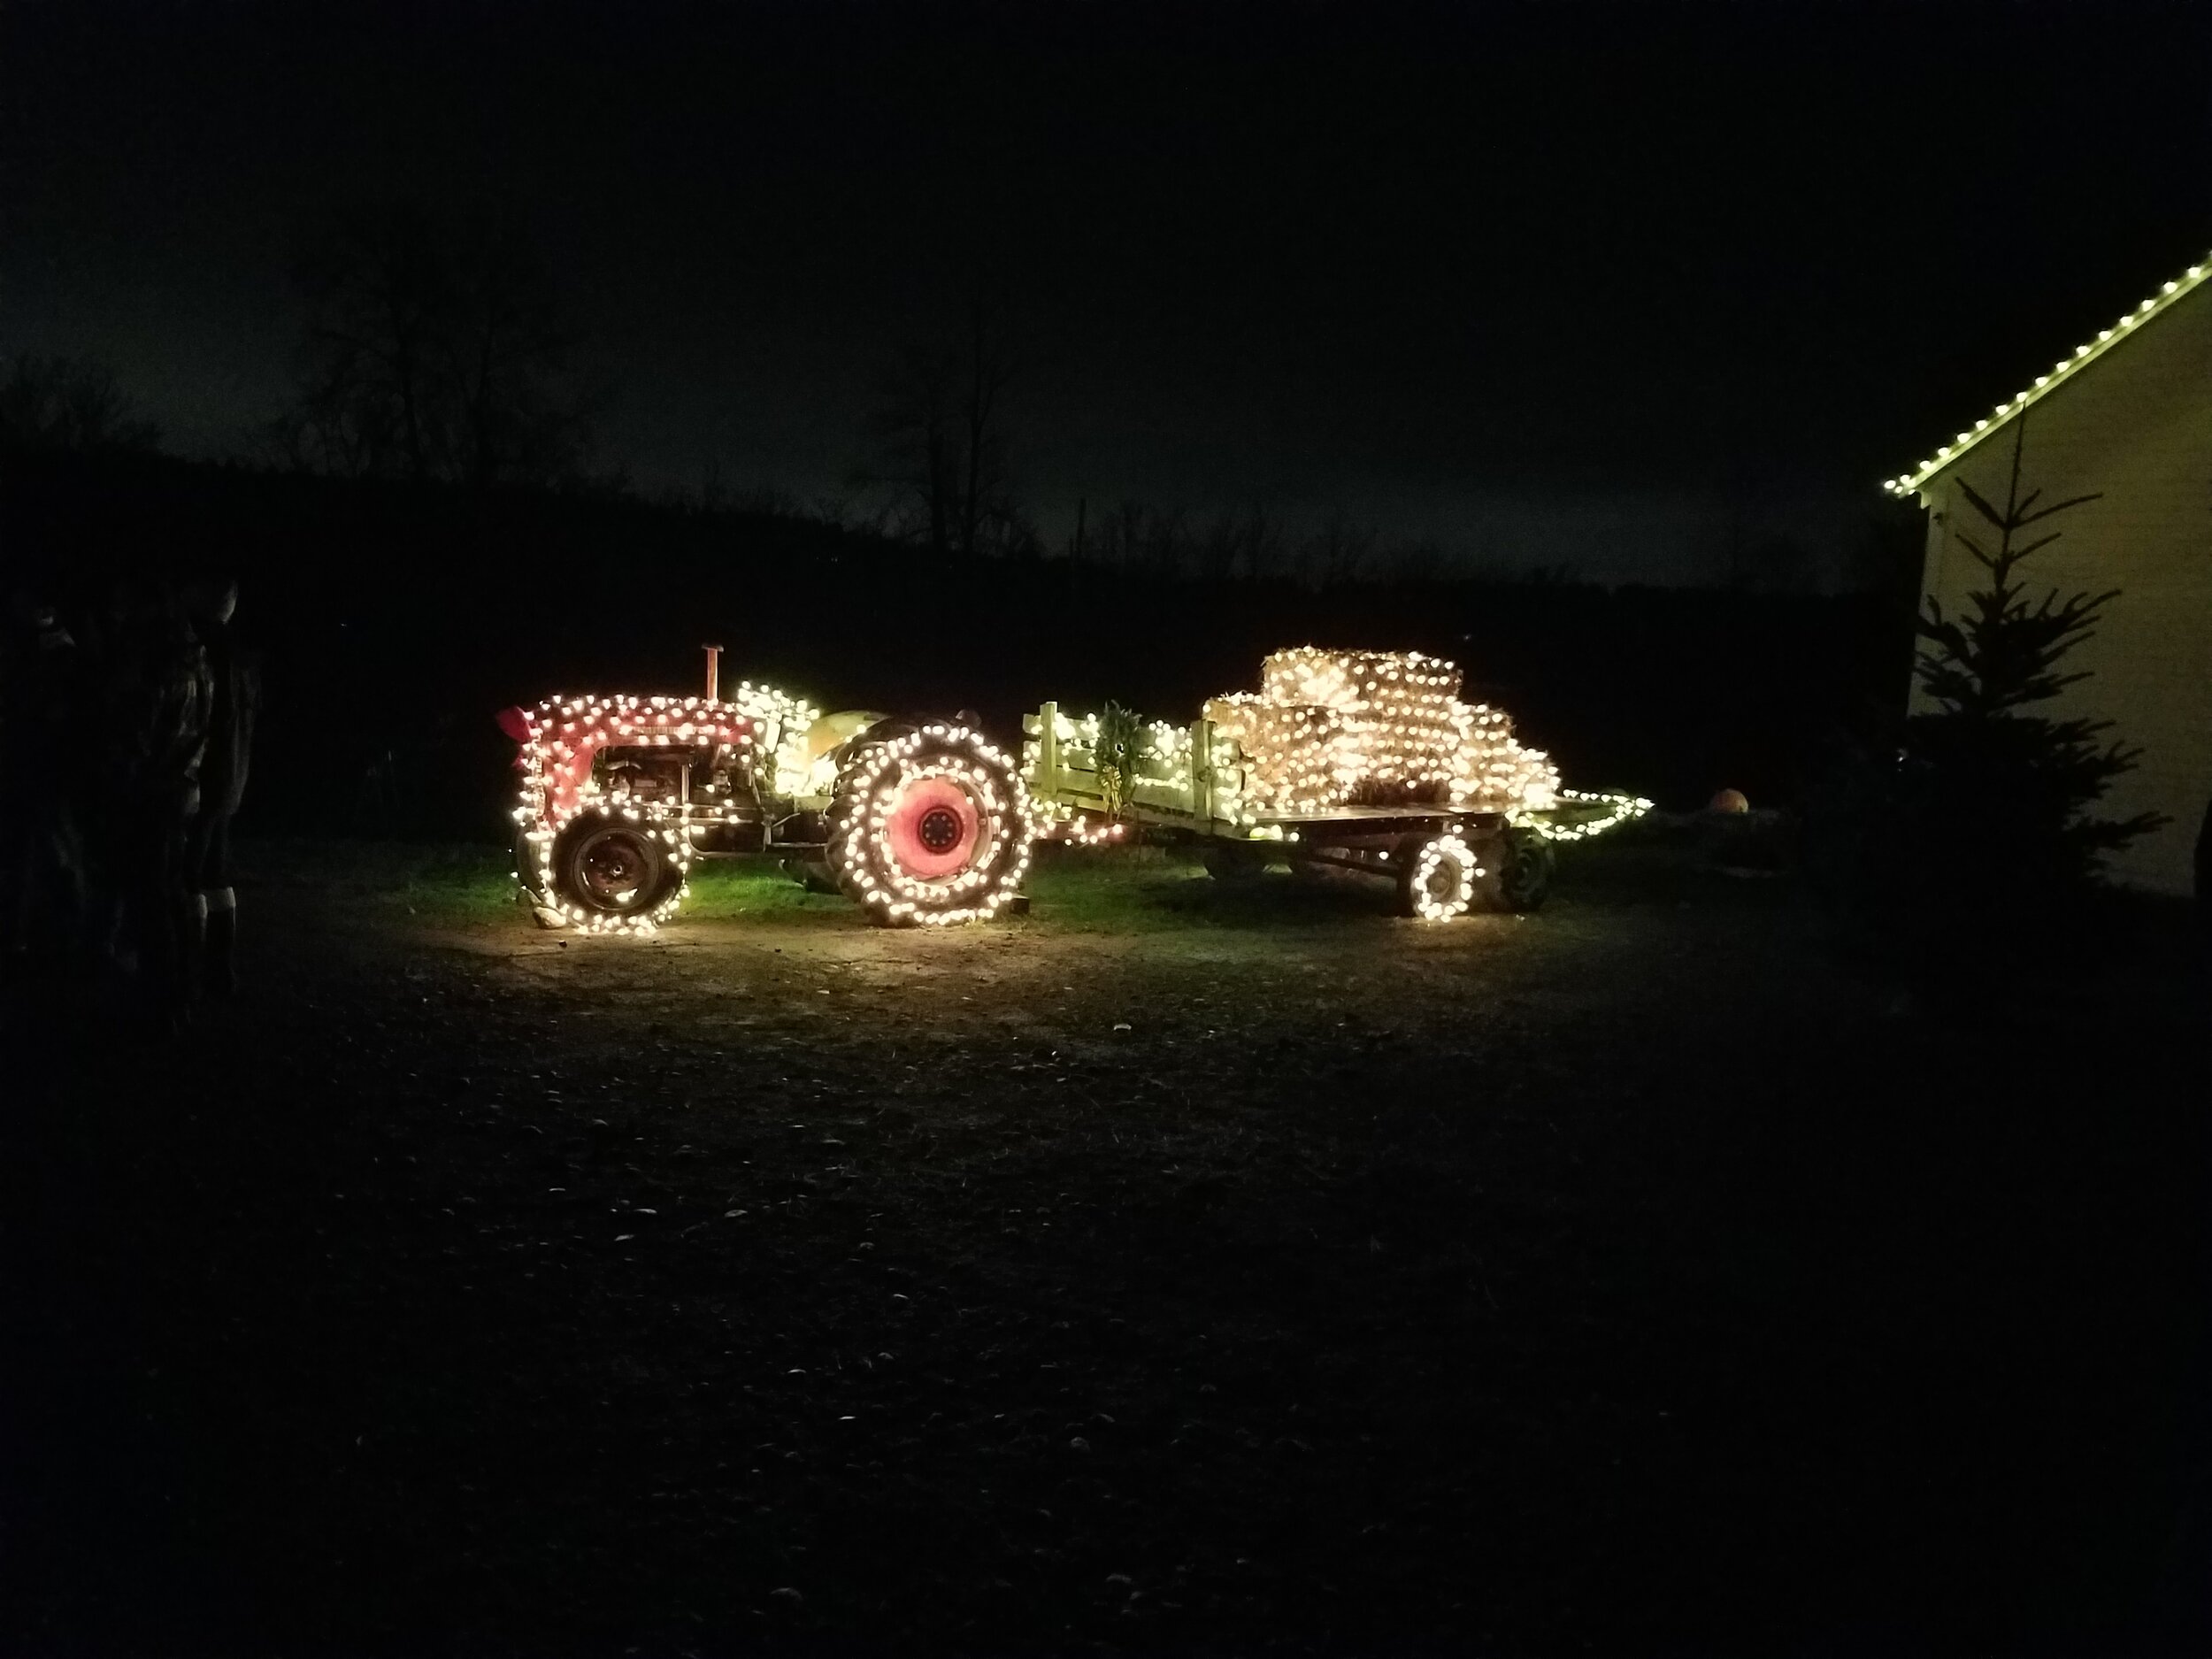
{"x": 2127, "y": 417}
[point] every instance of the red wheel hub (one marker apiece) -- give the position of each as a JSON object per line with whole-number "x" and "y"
{"x": 933, "y": 829}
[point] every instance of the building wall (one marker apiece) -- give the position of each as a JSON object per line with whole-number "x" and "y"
{"x": 2135, "y": 425}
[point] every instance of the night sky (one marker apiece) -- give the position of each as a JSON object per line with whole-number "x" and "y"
{"x": 1552, "y": 283}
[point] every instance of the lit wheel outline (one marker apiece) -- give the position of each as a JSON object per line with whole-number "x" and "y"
{"x": 612, "y": 869}
{"x": 1438, "y": 879}
{"x": 930, "y": 825}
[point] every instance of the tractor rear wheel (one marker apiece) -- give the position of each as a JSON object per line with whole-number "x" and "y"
{"x": 929, "y": 824}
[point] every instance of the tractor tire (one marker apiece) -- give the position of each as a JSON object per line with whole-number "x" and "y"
{"x": 928, "y": 825}
{"x": 613, "y": 871}
{"x": 1525, "y": 864}
{"x": 534, "y": 897}
{"x": 813, "y": 874}
{"x": 541, "y": 908}
{"x": 1438, "y": 877}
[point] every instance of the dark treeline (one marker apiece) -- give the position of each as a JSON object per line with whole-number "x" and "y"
{"x": 393, "y": 617}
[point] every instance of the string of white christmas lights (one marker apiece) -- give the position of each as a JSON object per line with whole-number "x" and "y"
{"x": 2064, "y": 370}
{"x": 784, "y": 721}
{"x": 1164, "y": 760}
{"x": 1620, "y": 810}
{"x": 563, "y": 738}
{"x": 875, "y": 786}
{"x": 1435, "y": 902}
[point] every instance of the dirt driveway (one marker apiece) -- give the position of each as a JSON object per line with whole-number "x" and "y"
{"x": 1197, "y": 1273}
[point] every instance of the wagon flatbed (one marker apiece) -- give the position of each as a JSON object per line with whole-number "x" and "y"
{"x": 1412, "y": 812}
{"x": 1189, "y": 784}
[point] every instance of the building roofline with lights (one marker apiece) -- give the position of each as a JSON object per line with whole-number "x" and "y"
{"x": 2063, "y": 370}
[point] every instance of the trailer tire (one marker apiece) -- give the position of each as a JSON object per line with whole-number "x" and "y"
{"x": 928, "y": 824}
{"x": 1234, "y": 862}
{"x": 1524, "y": 863}
{"x": 612, "y": 869}
{"x": 1438, "y": 877}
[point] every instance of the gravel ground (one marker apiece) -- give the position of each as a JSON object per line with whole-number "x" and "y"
{"x": 1196, "y": 1272}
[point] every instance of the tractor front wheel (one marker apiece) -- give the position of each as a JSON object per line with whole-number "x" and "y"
{"x": 609, "y": 870}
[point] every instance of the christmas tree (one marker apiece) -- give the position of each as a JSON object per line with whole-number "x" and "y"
{"x": 2006, "y": 789}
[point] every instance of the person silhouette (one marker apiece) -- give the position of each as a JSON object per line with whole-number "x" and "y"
{"x": 236, "y": 686}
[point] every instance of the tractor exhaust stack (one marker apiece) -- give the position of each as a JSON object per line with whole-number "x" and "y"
{"x": 714, "y": 672}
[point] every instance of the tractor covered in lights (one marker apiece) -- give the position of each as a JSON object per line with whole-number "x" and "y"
{"x": 920, "y": 822}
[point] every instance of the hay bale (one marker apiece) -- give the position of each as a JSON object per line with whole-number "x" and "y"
{"x": 1382, "y": 728}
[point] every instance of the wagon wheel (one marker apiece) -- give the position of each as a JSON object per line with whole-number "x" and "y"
{"x": 612, "y": 868}
{"x": 1234, "y": 862}
{"x": 1438, "y": 876}
{"x": 1525, "y": 863}
{"x": 929, "y": 824}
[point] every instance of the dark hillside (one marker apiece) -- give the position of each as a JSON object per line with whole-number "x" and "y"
{"x": 394, "y": 619}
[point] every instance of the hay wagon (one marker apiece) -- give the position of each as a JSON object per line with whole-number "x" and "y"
{"x": 1366, "y": 761}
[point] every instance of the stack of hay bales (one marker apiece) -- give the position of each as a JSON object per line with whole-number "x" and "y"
{"x": 1330, "y": 729}
{"x": 1299, "y": 757}
{"x": 1495, "y": 774}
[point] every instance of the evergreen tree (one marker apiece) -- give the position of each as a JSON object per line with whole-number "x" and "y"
{"x": 2005, "y": 790}
{"x": 1122, "y": 739}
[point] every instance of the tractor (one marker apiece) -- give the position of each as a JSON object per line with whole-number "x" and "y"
{"x": 918, "y": 821}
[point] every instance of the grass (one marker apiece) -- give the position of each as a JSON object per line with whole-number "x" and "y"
{"x": 1156, "y": 890}
{"x": 465, "y": 884}
{"x": 1122, "y": 890}
{"x": 446, "y": 882}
